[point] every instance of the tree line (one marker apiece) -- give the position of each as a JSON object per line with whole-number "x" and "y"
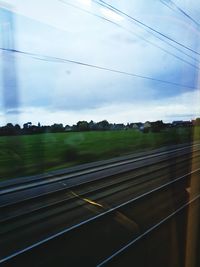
{"x": 80, "y": 126}
{"x": 29, "y": 128}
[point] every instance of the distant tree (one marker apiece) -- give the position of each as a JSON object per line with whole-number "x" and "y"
{"x": 82, "y": 126}
{"x": 68, "y": 128}
{"x": 56, "y": 128}
{"x": 103, "y": 125}
{"x": 157, "y": 126}
{"x": 17, "y": 129}
{"x": 92, "y": 125}
{"x": 74, "y": 128}
{"x": 9, "y": 129}
{"x": 27, "y": 125}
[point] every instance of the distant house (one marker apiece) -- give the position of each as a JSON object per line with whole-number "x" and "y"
{"x": 135, "y": 125}
{"x": 168, "y": 125}
{"x": 68, "y": 128}
{"x": 147, "y": 125}
{"x": 187, "y": 123}
{"x": 118, "y": 126}
{"x": 177, "y": 123}
{"x": 182, "y": 123}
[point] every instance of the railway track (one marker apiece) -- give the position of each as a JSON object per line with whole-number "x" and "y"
{"x": 11, "y": 212}
{"x": 24, "y": 183}
{"x": 102, "y": 197}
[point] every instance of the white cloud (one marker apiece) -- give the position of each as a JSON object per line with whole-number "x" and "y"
{"x": 185, "y": 106}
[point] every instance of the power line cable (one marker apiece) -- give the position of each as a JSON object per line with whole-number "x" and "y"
{"x": 139, "y": 36}
{"x": 118, "y": 11}
{"x": 64, "y": 60}
{"x": 173, "y": 46}
{"x": 167, "y": 5}
{"x": 88, "y": 12}
{"x": 176, "y": 7}
{"x": 165, "y": 41}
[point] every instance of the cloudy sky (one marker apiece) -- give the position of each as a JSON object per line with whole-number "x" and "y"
{"x": 48, "y": 91}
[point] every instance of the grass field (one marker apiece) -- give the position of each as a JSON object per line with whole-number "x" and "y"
{"x": 31, "y": 154}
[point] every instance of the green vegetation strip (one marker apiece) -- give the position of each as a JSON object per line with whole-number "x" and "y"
{"x": 32, "y": 154}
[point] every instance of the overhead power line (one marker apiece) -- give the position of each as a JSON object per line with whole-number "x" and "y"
{"x": 84, "y": 64}
{"x": 166, "y": 4}
{"x": 139, "y": 36}
{"x": 118, "y": 11}
{"x": 172, "y": 5}
{"x": 88, "y": 12}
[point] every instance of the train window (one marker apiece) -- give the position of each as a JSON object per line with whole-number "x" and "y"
{"x": 99, "y": 133}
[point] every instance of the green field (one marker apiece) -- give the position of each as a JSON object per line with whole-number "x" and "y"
{"x": 31, "y": 154}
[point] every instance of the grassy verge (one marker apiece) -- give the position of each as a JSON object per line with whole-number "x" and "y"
{"x": 32, "y": 154}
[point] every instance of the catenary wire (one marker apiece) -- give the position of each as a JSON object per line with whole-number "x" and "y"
{"x": 180, "y": 10}
{"x": 117, "y": 24}
{"x": 139, "y": 36}
{"x": 65, "y": 60}
{"x": 118, "y": 11}
{"x": 88, "y": 12}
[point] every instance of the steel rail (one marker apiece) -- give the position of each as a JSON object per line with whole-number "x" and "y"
{"x": 90, "y": 220}
{"x": 66, "y": 187}
{"x": 54, "y": 179}
{"x": 85, "y": 194}
{"x": 148, "y": 231}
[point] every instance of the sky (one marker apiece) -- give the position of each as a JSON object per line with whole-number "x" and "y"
{"x": 50, "y": 92}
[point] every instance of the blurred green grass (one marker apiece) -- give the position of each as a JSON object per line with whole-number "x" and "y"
{"x": 32, "y": 154}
